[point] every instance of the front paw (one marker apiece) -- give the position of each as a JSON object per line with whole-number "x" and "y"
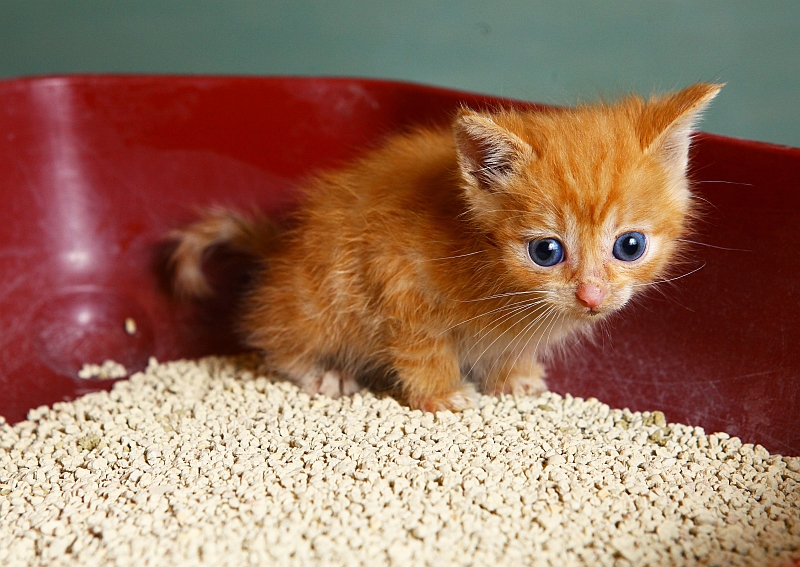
{"x": 458, "y": 399}
{"x": 519, "y": 384}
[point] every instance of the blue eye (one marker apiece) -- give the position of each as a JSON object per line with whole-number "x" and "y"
{"x": 546, "y": 252}
{"x": 630, "y": 246}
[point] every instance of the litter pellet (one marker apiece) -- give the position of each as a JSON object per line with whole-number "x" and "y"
{"x": 109, "y": 370}
{"x": 211, "y": 462}
{"x": 130, "y": 326}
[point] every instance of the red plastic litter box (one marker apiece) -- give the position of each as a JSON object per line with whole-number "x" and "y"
{"x": 94, "y": 170}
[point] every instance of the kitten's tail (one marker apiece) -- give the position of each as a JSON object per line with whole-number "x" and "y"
{"x": 217, "y": 227}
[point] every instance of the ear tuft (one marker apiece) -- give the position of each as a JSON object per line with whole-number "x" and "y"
{"x": 667, "y": 122}
{"x": 487, "y": 153}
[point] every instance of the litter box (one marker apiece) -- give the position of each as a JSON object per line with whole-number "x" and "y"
{"x": 94, "y": 170}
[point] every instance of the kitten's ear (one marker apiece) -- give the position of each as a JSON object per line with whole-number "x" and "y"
{"x": 488, "y": 154}
{"x": 666, "y": 123}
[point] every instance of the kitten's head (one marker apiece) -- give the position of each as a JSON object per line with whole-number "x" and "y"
{"x": 585, "y": 204}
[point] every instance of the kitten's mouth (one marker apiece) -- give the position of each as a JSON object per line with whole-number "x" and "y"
{"x": 594, "y": 312}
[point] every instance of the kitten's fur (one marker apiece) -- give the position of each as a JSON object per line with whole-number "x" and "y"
{"x": 412, "y": 265}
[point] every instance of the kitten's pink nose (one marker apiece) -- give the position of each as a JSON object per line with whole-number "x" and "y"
{"x": 591, "y": 295}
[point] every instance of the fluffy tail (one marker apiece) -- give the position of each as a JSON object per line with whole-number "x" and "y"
{"x": 253, "y": 237}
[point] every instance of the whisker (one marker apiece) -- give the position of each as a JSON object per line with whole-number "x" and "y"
{"x": 550, "y": 332}
{"x": 536, "y": 348}
{"x": 726, "y": 182}
{"x": 637, "y": 299}
{"x": 712, "y": 245}
{"x": 671, "y": 279}
{"x": 699, "y": 198}
{"x": 500, "y": 320}
{"x": 506, "y": 211}
{"x": 511, "y": 306}
{"x": 509, "y": 294}
{"x": 518, "y": 337}
{"x": 539, "y": 316}
{"x": 456, "y": 256}
{"x": 547, "y": 314}
{"x": 551, "y": 324}
{"x": 676, "y": 302}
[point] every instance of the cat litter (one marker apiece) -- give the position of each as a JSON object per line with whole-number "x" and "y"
{"x": 130, "y": 326}
{"x": 109, "y": 370}
{"x": 212, "y": 463}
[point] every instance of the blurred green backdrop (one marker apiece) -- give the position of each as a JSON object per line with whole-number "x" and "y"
{"x": 557, "y": 51}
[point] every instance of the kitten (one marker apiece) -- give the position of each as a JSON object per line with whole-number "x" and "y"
{"x": 458, "y": 256}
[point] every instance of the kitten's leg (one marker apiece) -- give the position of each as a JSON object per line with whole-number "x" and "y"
{"x": 296, "y": 344}
{"x": 429, "y": 375}
{"x": 516, "y": 377}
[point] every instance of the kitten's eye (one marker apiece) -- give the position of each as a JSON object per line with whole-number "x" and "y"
{"x": 630, "y": 246}
{"x": 546, "y": 251}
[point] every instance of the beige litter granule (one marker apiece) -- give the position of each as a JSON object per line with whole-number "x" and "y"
{"x": 109, "y": 370}
{"x": 130, "y": 326}
{"x": 210, "y": 463}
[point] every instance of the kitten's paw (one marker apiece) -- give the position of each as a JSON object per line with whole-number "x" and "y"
{"x": 457, "y": 400}
{"x": 520, "y": 384}
{"x": 525, "y": 386}
{"x": 331, "y": 383}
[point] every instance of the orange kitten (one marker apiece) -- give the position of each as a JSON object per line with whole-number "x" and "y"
{"x": 459, "y": 256}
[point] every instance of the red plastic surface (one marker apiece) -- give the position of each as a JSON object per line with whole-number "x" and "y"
{"x": 94, "y": 170}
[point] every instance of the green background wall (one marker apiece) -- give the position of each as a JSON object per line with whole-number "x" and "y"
{"x": 558, "y": 52}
